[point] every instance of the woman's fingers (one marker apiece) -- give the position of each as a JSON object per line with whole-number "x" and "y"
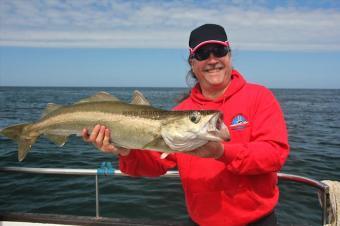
{"x": 106, "y": 140}
{"x": 107, "y": 145}
{"x": 94, "y": 133}
{"x": 85, "y": 135}
{"x": 101, "y": 138}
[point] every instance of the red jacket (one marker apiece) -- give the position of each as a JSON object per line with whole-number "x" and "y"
{"x": 241, "y": 186}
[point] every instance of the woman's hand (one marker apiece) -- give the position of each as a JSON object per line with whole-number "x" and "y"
{"x": 212, "y": 149}
{"x": 100, "y": 137}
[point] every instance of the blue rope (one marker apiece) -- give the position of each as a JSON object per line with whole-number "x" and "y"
{"x": 106, "y": 169}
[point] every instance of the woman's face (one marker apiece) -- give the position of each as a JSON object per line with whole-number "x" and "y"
{"x": 213, "y": 72}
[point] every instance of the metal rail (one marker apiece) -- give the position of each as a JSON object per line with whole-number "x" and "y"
{"x": 107, "y": 170}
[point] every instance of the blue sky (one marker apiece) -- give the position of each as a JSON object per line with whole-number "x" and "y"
{"x": 280, "y": 44}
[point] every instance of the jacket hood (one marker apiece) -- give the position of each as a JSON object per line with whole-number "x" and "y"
{"x": 236, "y": 83}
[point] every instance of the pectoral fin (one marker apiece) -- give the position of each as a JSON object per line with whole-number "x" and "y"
{"x": 157, "y": 142}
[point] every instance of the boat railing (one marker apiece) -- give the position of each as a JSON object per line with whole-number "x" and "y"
{"x": 107, "y": 170}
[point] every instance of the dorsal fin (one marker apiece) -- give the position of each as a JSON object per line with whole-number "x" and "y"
{"x": 139, "y": 99}
{"x": 101, "y": 96}
{"x": 50, "y": 107}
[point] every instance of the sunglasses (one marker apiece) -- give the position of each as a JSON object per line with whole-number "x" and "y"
{"x": 204, "y": 52}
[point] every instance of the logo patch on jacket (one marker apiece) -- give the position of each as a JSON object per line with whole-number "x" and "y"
{"x": 239, "y": 122}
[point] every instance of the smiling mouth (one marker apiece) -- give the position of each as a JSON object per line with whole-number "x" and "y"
{"x": 213, "y": 69}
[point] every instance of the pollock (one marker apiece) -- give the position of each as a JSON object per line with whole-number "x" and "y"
{"x": 135, "y": 125}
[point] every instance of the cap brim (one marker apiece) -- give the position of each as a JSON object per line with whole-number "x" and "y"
{"x": 226, "y": 43}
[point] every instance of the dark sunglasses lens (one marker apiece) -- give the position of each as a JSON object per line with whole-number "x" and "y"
{"x": 221, "y": 51}
{"x": 217, "y": 51}
{"x": 202, "y": 54}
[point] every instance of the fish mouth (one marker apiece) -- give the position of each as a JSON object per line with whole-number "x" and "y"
{"x": 217, "y": 130}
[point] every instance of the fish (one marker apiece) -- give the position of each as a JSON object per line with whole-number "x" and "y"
{"x": 134, "y": 125}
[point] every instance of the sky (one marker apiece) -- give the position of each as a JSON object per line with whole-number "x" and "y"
{"x": 279, "y": 44}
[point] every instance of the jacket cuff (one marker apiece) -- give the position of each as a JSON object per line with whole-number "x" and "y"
{"x": 230, "y": 152}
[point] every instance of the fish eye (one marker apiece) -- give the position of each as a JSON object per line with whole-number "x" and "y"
{"x": 195, "y": 117}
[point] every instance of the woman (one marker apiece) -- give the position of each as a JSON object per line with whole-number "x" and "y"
{"x": 225, "y": 183}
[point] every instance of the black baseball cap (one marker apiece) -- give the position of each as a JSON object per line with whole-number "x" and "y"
{"x": 206, "y": 34}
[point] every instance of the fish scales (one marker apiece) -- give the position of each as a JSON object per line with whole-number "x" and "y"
{"x": 120, "y": 118}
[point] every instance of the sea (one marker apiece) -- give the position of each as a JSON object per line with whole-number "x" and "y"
{"x": 313, "y": 120}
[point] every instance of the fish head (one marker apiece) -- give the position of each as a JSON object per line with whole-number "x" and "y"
{"x": 188, "y": 130}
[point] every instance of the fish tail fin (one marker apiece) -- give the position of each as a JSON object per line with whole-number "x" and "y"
{"x": 25, "y": 145}
{"x": 19, "y": 134}
{"x": 13, "y": 132}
